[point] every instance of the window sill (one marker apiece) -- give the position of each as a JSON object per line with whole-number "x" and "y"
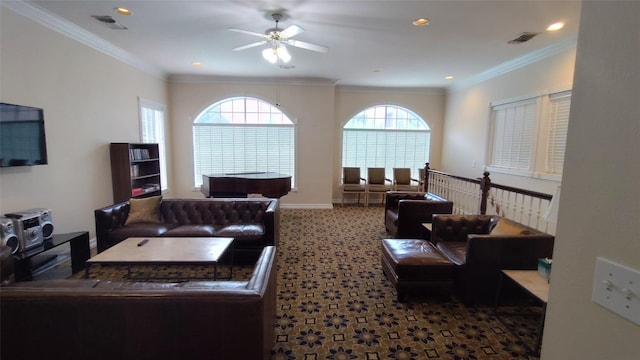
{"x": 525, "y": 173}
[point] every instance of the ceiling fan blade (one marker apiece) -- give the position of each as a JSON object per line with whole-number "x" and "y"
{"x": 248, "y": 32}
{"x": 250, "y": 45}
{"x": 308, "y": 46}
{"x": 291, "y": 31}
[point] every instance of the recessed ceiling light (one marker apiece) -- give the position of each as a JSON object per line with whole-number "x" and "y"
{"x": 196, "y": 64}
{"x": 555, "y": 26}
{"x": 448, "y": 77}
{"x": 421, "y": 22}
{"x": 123, "y": 11}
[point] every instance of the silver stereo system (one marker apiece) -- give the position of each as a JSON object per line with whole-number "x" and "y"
{"x": 27, "y": 227}
{"x": 8, "y": 235}
{"x": 46, "y": 221}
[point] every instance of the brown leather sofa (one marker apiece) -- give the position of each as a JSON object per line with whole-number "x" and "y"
{"x": 92, "y": 319}
{"x": 253, "y": 222}
{"x": 405, "y": 211}
{"x": 481, "y": 245}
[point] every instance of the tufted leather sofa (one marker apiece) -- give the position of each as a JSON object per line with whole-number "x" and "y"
{"x": 253, "y": 222}
{"x": 479, "y": 251}
{"x": 92, "y": 319}
{"x": 405, "y": 211}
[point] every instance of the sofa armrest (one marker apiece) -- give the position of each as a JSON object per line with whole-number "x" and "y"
{"x": 393, "y": 197}
{"x": 272, "y": 223}
{"x": 108, "y": 219}
{"x": 488, "y": 254}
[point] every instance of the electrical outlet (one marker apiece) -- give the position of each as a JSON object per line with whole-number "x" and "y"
{"x": 617, "y": 288}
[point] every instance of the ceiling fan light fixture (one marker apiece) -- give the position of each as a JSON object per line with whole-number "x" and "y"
{"x": 270, "y": 54}
{"x": 283, "y": 54}
{"x": 277, "y": 52}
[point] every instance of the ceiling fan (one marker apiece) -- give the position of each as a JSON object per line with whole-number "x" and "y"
{"x": 278, "y": 39}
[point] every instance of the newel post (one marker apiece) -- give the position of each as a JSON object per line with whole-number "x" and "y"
{"x": 485, "y": 185}
{"x": 425, "y": 181}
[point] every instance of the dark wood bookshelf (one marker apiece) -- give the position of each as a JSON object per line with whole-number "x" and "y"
{"x": 135, "y": 171}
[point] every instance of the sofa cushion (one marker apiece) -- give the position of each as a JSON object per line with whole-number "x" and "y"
{"x": 243, "y": 233}
{"x": 506, "y": 227}
{"x": 455, "y": 251}
{"x": 146, "y": 210}
{"x": 139, "y": 230}
{"x": 191, "y": 231}
{"x": 413, "y": 259}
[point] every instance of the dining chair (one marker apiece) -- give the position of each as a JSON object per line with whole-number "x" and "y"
{"x": 402, "y": 180}
{"x": 353, "y": 183}
{"x": 377, "y": 183}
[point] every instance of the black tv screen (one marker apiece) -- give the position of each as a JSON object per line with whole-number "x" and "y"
{"x": 22, "y": 137}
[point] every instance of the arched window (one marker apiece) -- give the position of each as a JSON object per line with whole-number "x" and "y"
{"x": 386, "y": 136}
{"x": 243, "y": 134}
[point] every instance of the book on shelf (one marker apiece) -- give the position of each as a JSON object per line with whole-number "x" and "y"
{"x": 139, "y": 154}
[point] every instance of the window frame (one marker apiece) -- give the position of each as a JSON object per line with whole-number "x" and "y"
{"x": 159, "y": 138}
{"x": 538, "y": 168}
{"x": 389, "y": 127}
{"x": 257, "y": 116}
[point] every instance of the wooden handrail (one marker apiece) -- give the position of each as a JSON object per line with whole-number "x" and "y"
{"x": 518, "y": 204}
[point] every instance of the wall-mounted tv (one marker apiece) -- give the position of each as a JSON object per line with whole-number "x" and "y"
{"x": 22, "y": 137}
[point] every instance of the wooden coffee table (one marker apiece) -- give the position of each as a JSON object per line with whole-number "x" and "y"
{"x": 165, "y": 251}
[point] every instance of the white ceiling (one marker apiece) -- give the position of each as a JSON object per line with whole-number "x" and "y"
{"x": 464, "y": 38}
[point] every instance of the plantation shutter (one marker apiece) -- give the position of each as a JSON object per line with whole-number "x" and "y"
{"x": 222, "y": 149}
{"x": 558, "y": 127}
{"x": 366, "y": 148}
{"x": 513, "y": 126}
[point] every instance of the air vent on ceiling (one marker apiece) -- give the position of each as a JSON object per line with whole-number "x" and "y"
{"x": 109, "y": 21}
{"x": 524, "y": 37}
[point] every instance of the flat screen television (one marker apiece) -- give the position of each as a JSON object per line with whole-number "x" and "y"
{"x": 22, "y": 137}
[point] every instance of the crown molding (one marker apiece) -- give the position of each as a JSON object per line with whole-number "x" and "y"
{"x": 517, "y": 63}
{"x": 249, "y": 80}
{"x": 66, "y": 28}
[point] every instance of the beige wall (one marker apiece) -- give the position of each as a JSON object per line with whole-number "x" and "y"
{"x": 600, "y": 202}
{"x": 89, "y": 100}
{"x": 467, "y": 118}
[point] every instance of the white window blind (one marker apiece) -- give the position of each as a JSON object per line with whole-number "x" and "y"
{"x": 386, "y": 136}
{"x": 513, "y": 130}
{"x": 557, "y": 131}
{"x": 152, "y": 130}
{"x": 243, "y": 135}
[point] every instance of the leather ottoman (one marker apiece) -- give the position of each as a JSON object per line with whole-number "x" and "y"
{"x": 416, "y": 267}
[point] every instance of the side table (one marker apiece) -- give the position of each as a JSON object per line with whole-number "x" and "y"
{"x": 80, "y": 252}
{"x": 535, "y": 285}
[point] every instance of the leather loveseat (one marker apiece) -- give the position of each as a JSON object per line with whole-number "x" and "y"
{"x": 253, "y": 222}
{"x": 406, "y": 211}
{"x": 92, "y": 319}
{"x": 480, "y": 246}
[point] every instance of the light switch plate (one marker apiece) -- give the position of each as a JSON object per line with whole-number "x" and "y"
{"x": 617, "y": 288}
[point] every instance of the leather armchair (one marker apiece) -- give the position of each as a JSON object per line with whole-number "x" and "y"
{"x": 405, "y": 211}
{"x": 482, "y": 245}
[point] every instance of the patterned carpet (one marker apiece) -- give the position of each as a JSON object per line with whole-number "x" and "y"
{"x": 335, "y": 303}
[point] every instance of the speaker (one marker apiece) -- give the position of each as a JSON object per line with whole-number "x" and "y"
{"x": 46, "y": 221}
{"x": 27, "y": 227}
{"x": 8, "y": 235}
